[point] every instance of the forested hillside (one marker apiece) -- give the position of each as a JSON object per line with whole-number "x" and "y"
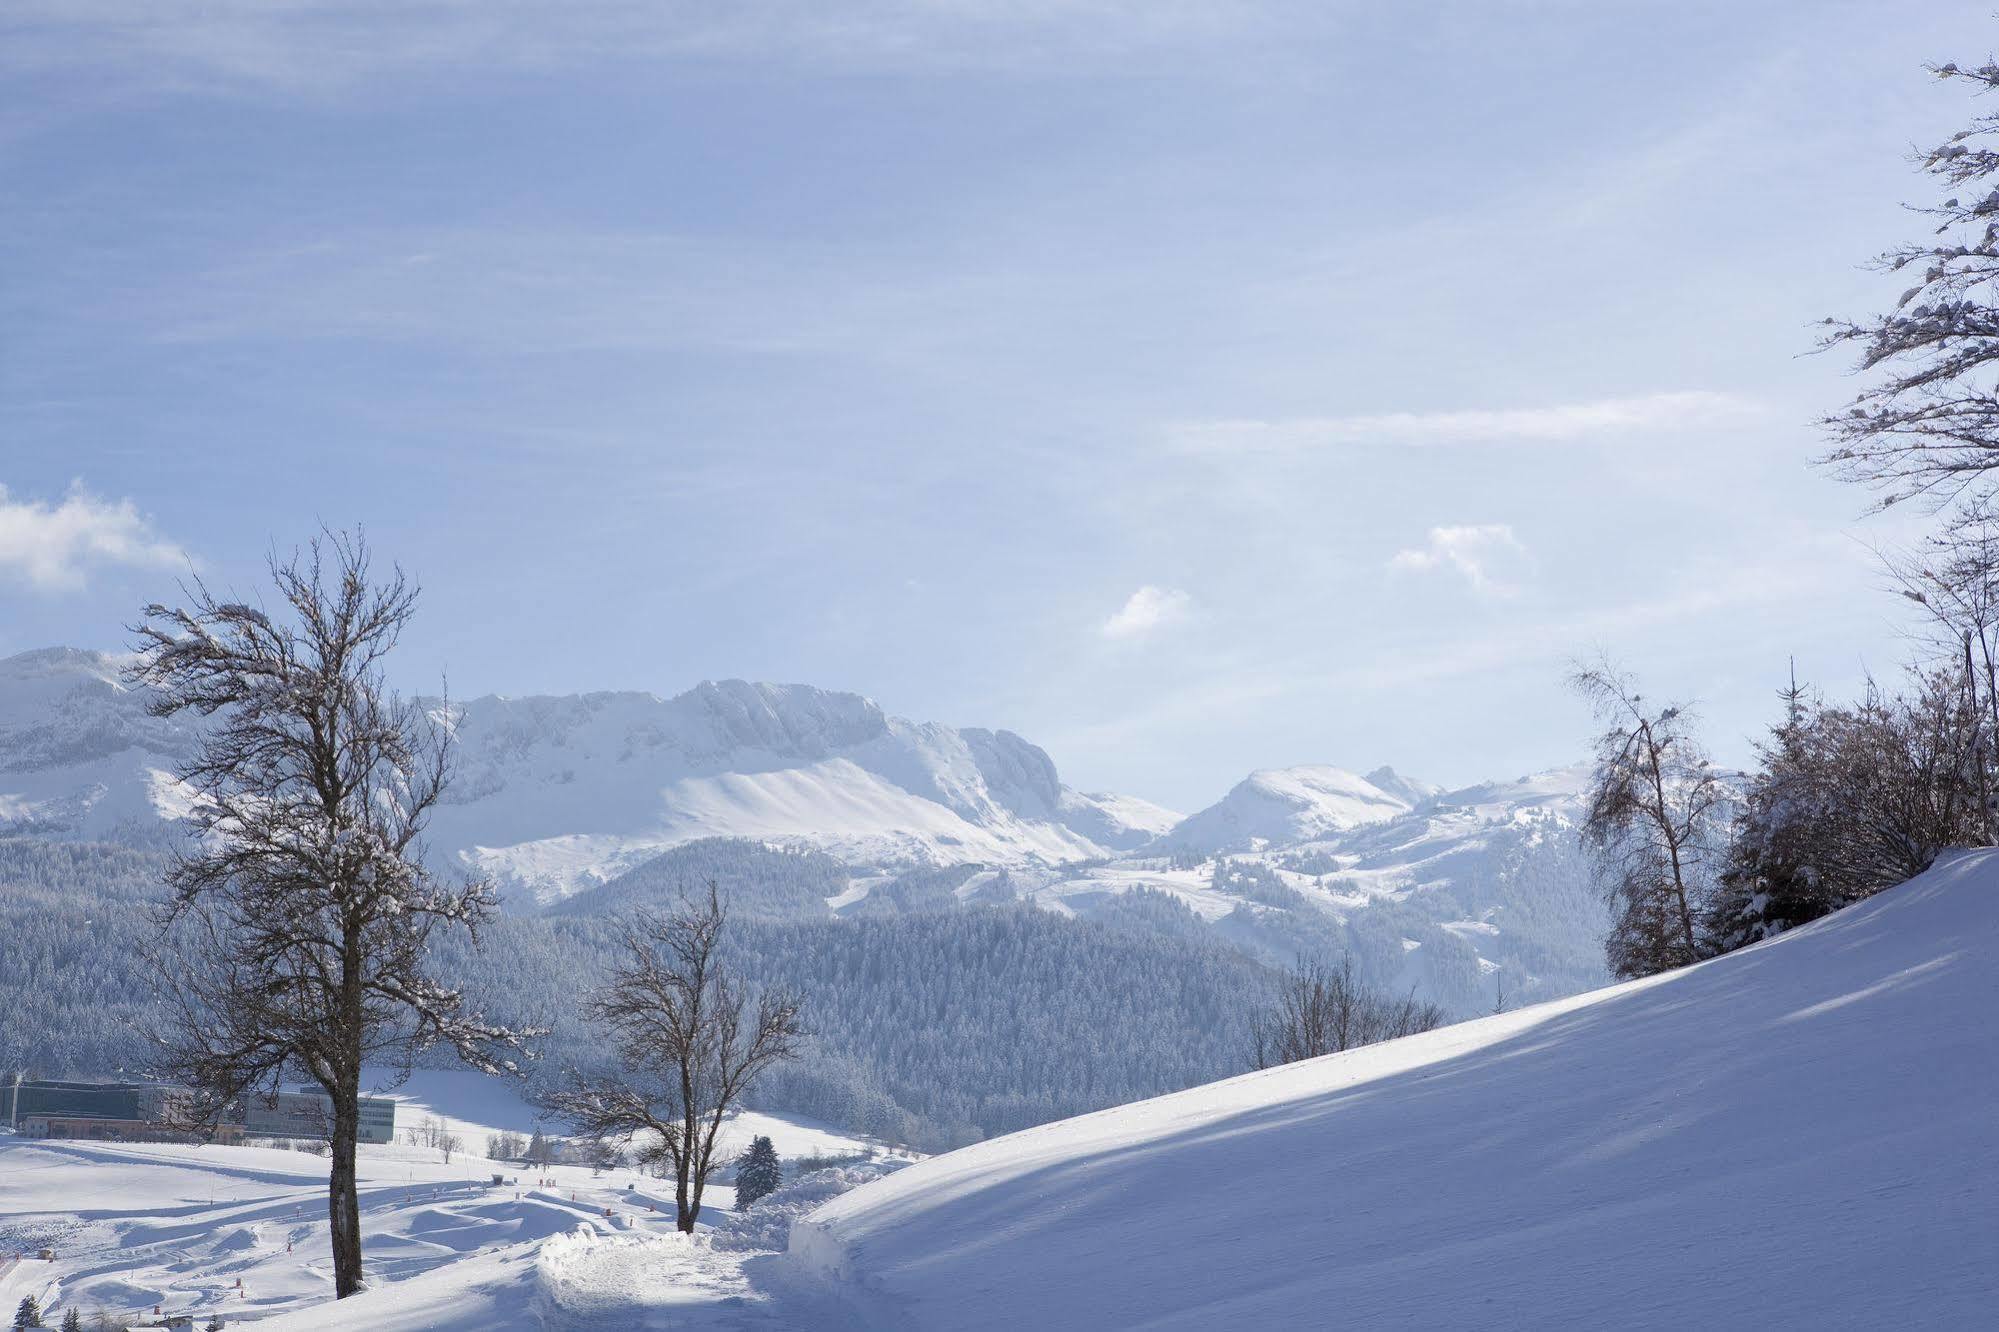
{"x": 932, "y": 1027}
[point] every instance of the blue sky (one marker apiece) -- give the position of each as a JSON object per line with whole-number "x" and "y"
{"x": 1188, "y": 387}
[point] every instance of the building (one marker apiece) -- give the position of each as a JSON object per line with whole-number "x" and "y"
{"x": 91, "y": 1128}
{"x": 309, "y": 1114}
{"x": 105, "y": 1111}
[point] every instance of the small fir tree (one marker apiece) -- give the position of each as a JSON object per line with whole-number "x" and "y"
{"x": 757, "y": 1172}
{"x": 29, "y": 1314}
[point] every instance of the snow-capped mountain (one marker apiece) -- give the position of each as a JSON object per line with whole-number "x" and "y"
{"x": 1457, "y": 894}
{"x": 1467, "y": 897}
{"x": 555, "y": 794}
{"x": 1283, "y": 806}
{"x": 79, "y": 753}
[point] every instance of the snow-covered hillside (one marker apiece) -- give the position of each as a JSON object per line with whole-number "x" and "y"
{"x": 1800, "y": 1134}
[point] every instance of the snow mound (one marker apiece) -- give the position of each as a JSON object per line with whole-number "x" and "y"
{"x": 766, "y": 1225}
{"x": 1799, "y": 1134}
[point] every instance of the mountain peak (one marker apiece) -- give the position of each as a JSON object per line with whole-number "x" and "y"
{"x": 1279, "y": 806}
{"x": 1408, "y": 788}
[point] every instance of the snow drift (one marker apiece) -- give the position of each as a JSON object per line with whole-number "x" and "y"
{"x": 1799, "y": 1134}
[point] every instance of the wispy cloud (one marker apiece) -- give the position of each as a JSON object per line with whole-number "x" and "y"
{"x": 51, "y": 547}
{"x": 277, "y": 46}
{"x": 1560, "y": 423}
{"x": 1471, "y": 550}
{"x": 1148, "y": 610}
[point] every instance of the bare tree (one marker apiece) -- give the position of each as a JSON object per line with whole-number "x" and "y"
{"x": 1324, "y": 1009}
{"x": 302, "y": 914}
{"x": 689, "y": 1041}
{"x": 1929, "y": 426}
{"x": 449, "y": 1143}
{"x": 1654, "y": 823}
{"x": 1954, "y": 577}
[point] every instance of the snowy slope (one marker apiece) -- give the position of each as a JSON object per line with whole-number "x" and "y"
{"x": 1280, "y": 806}
{"x": 1797, "y": 1135}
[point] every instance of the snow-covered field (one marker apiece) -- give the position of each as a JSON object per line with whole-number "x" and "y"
{"x": 241, "y": 1230}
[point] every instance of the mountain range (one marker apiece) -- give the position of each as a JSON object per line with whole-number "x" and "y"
{"x": 556, "y": 796}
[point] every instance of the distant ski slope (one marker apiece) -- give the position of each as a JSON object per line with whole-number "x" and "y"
{"x": 1802, "y": 1134}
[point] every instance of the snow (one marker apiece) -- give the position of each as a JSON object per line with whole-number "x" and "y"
{"x": 1799, "y": 1134}
{"x": 135, "y": 1225}
{"x": 1281, "y": 806}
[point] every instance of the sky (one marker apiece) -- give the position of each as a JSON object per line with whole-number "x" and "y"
{"x": 1188, "y": 387}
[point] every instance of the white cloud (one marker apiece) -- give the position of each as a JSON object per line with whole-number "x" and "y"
{"x": 1560, "y": 423}
{"x": 1149, "y": 610}
{"x": 51, "y": 546}
{"x": 1470, "y": 550}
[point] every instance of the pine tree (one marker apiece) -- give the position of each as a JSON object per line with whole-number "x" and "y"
{"x": 538, "y": 1153}
{"x": 1773, "y": 881}
{"x": 29, "y": 1314}
{"x": 72, "y": 1321}
{"x": 757, "y": 1172}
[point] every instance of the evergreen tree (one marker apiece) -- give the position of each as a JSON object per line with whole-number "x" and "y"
{"x": 1773, "y": 880}
{"x": 538, "y": 1153}
{"x": 72, "y": 1321}
{"x": 29, "y": 1314}
{"x": 757, "y": 1172}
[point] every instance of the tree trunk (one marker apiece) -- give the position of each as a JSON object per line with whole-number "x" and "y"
{"x": 342, "y": 1199}
{"x": 683, "y": 1209}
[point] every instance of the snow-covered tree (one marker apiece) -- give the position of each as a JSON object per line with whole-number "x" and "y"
{"x": 757, "y": 1171}
{"x": 1654, "y": 824}
{"x": 72, "y": 1321}
{"x": 301, "y": 913}
{"x": 29, "y": 1314}
{"x": 1775, "y": 878}
{"x": 1850, "y": 800}
{"x": 1928, "y": 426}
{"x": 689, "y": 1039}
